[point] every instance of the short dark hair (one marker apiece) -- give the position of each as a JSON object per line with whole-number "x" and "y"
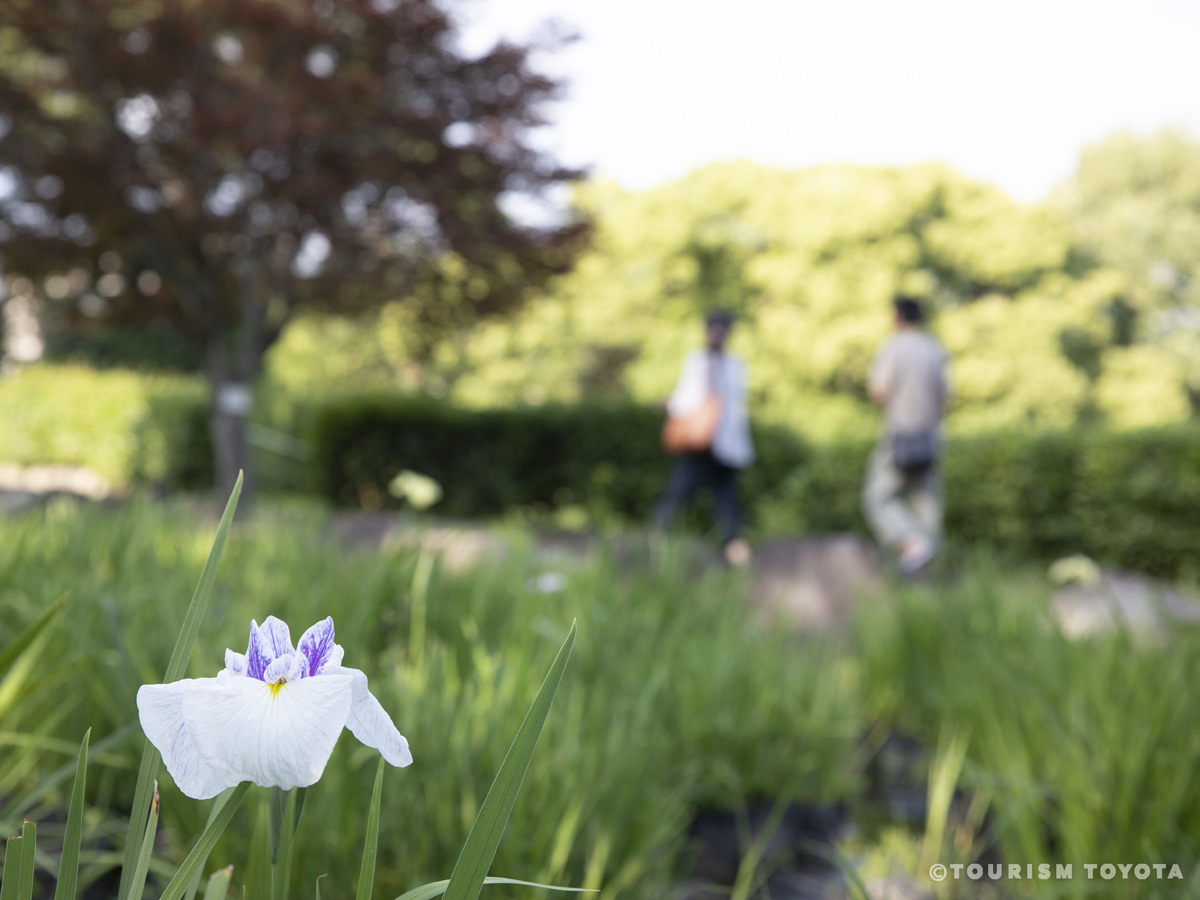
{"x": 909, "y": 310}
{"x": 719, "y": 317}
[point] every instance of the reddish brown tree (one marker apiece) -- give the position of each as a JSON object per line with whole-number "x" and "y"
{"x": 218, "y": 164}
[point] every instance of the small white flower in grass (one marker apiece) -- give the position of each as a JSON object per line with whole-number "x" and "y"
{"x": 271, "y": 717}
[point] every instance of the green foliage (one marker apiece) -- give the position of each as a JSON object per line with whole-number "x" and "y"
{"x": 1125, "y": 497}
{"x": 1039, "y": 331}
{"x": 123, "y": 425}
{"x": 579, "y": 465}
{"x": 470, "y": 871}
{"x": 491, "y": 461}
{"x": 1134, "y": 204}
{"x": 19, "y": 864}
{"x": 148, "y": 767}
{"x": 1081, "y": 748}
{"x": 1122, "y": 497}
{"x": 366, "y": 872}
{"x": 689, "y": 711}
{"x": 68, "y": 868}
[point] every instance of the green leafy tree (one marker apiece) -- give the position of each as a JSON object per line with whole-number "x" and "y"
{"x": 1134, "y": 202}
{"x": 212, "y": 168}
{"x": 811, "y": 258}
{"x": 1041, "y": 330}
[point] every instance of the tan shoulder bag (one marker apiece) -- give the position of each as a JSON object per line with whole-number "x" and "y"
{"x": 694, "y": 432}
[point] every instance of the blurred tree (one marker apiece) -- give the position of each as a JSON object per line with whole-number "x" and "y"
{"x": 812, "y": 259}
{"x": 1040, "y": 334}
{"x": 209, "y": 168}
{"x": 1135, "y": 203}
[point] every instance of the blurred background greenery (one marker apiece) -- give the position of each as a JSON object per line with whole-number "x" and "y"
{"x": 283, "y": 236}
{"x": 1079, "y": 310}
{"x": 1071, "y": 324}
{"x": 677, "y": 702}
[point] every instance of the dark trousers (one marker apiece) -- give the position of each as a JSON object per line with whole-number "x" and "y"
{"x": 690, "y": 472}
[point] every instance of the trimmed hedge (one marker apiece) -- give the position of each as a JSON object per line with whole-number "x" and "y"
{"x": 1128, "y": 498}
{"x": 123, "y": 425}
{"x": 606, "y": 460}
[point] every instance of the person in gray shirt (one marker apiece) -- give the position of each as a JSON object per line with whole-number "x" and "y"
{"x": 902, "y": 491}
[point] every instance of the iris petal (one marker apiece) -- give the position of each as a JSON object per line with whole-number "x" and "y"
{"x": 370, "y": 723}
{"x": 276, "y": 736}
{"x": 318, "y": 647}
{"x": 288, "y": 667}
{"x": 236, "y": 662}
{"x": 267, "y": 643}
{"x": 160, "y": 709}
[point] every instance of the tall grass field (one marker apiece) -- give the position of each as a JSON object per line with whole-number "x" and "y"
{"x": 678, "y": 698}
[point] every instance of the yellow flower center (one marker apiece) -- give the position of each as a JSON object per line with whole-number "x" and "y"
{"x": 275, "y": 687}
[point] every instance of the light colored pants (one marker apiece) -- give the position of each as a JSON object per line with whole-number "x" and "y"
{"x": 899, "y": 506}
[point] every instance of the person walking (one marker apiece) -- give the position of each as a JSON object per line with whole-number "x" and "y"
{"x": 708, "y": 427}
{"x": 902, "y": 490}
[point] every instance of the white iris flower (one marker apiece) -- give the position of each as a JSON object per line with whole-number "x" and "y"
{"x": 271, "y": 717}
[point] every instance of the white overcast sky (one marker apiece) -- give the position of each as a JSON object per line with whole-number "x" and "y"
{"x": 1005, "y": 91}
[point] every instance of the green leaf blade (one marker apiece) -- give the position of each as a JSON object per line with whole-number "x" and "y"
{"x": 205, "y": 843}
{"x": 148, "y": 768}
{"x": 221, "y": 799}
{"x": 470, "y": 872}
{"x": 218, "y": 884}
{"x": 25, "y": 864}
{"x": 137, "y": 884}
{"x": 14, "y": 650}
{"x": 436, "y": 888}
{"x": 12, "y": 857}
{"x": 366, "y": 873}
{"x": 284, "y": 818}
{"x": 68, "y": 866}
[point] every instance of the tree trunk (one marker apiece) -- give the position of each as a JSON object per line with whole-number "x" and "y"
{"x": 231, "y": 402}
{"x": 230, "y": 453}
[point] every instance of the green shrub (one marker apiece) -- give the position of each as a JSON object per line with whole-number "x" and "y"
{"x": 125, "y": 426}
{"x": 1124, "y": 497}
{"x": 1127, "y": 498}
{"x": 174, "y": 441}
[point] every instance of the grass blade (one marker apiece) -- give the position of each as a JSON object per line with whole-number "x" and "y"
{"x": 283, "y": 822}
{"x": 137, "y": 884}
{"x": 435, "y": 888}
{"x": 14, "y": 650}
{"x": 25, "y": 863}
{"x": 477, "y": 854}
{"x": 68, "y": 866}
{"x": 12, "y": 865}
{"x": 199, "y": 605}
{"x": 218, "y": 884}
{"x": 208, "y": 840}
{"x": 148, "y": 768}
{"x": 366, "y": 873}
{"x": 222, "y": 799}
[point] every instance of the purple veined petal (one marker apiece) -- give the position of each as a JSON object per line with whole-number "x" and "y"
{"x": 318, "y": 647}
{"x": 235, "y": 663}
{"x": 267, "y": 642}
{"x": 160, "y": 710}
{"x": 370, "y": 723}
{"x": 273, "y": 735}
